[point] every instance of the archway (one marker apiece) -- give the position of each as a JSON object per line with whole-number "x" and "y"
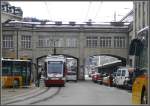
{"x": 108, "y": 62}
{"x": 40, "y": 61}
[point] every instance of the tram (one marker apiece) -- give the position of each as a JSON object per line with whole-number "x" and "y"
{"x": 16, "y": 73}
{"x": 55, "y": 70}
{"x": 139, "y": 48}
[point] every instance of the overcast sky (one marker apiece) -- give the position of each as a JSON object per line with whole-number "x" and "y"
{"x": 98, "y": 11}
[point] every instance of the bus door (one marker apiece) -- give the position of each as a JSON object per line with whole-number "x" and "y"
{"x": 26, "y": 72}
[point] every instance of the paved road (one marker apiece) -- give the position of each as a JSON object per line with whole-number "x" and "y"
{"x": 89, "y": 93}
{"x": 80, "y": 93}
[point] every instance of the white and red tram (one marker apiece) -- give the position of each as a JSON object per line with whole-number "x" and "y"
{"x": 55, "y": 70}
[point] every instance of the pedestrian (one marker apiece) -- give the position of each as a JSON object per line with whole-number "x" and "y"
{"x": 38, "y": 79}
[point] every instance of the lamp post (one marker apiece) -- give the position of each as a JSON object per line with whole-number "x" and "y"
{"x": 54, "y": 45}
{"x": 17, "y": 27}
{"x": 17, "y": 43}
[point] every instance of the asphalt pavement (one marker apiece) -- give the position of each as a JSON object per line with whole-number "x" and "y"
{"x": 74, "y": 93}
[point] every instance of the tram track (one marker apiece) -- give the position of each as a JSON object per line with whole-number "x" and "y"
{"x": 27, "y": 98}
{"x": 24, "y": 94}
{"x": 47, "y": 98}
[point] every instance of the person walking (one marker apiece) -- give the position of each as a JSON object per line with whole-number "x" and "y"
{"x": 38, "y": 79}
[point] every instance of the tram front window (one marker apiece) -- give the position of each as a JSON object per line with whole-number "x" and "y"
{"x": 55, "y": 67}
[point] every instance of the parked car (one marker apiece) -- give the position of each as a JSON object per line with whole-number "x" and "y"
{"x": 108, "y": 79}
{"x": 114, "y": 78}
{"x": 131, "y": 78}
{"x": 100, "y": 78}
{"x": 122, "y": 76}
{"x": 97, "y": 78}
{"x": 71, "y": 76}
{"x": 91, "y": 73}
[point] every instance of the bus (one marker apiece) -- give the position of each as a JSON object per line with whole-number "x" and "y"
{"x": 16, "y": 73}
{"x": 139, "y": 49}
{"x": 55, "y": 70}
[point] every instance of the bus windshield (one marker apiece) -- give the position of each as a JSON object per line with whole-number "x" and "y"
{"x": 7, "y": 68}
{"x": 17, "y": 68}
{"x": 55, "y": 67}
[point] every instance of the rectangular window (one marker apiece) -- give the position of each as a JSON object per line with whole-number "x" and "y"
{"x": 55, "y": 67}
{"x": 119, "y": 42}
{"x": 105, "y": 42}
{"x": 71, "y": 42}
{"x": 26, "y": 41}
{"x": 44, "y": 41}
{"x": 59, "y": 42}
{"x": 123, "y": 72}
{"x": 7, "y": 41}
{"x": 118, "y": 72}
{"x": 91, "y": 41}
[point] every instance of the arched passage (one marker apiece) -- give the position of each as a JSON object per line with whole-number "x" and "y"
{"x": 113, "y": 61}
{"x": 38, "y": 59}
{"x": 77, "y": 59}
{"x": 118, "y": 57}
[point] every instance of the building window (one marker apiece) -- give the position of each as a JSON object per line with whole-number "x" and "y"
{"x": 105, "y": 42}
{"x": 26, "y": 41}
{"x": 59, "y": 42}
{"x": 91, "y": 41}
{"x": 119, "y": 42}
{"x": 7, "y": 41}
{"x": 44, "y": 41}
{"x": 71, "y": 42}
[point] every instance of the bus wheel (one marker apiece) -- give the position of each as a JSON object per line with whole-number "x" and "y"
{"x": 16, "y": 83}
{"x": 144, "y": 97}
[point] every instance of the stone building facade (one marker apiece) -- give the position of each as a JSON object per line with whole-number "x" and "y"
{"x": 30, "y": 40}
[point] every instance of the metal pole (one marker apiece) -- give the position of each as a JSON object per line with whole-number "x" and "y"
{"x": 17, "y": 44}
{"x": 54, "y": 48}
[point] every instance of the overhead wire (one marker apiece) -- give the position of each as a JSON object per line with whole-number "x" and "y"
{"x": 86, "y": 15}
{"x": 49, "y": 13}
{"x": 98, "y": 10}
